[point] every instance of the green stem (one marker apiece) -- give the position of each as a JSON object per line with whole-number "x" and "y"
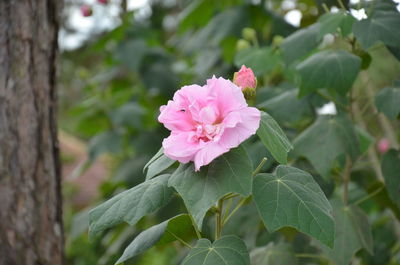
{"x": 241, "y": 202}
{"x": 309, "y": 255}
{"x": 258, "y": 168}
{"x": 369, "y": 196}
{"x": 218, "y": 219}
{"x": 180, "y": 239}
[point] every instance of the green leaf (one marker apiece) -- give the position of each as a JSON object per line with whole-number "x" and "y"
{"x": 273, "y": 254}
{"x": 168, "y": 231}
{"x": 335, "y": 70}
{"x": 388, "y": 101}
{"x": 129, "y": 115}
{"x": 291, "y": 197}
{"x": 157, "y": 164}
{"x": 274, "y": 138}
{"x": 332, "y": 22}
{"x": 200, "y": 190}
{"x": 353, "y": 232}
{"x": 131, "y": 205}
{"x": 300, "y": 43}
{"x": 260, "y": 60}
{"x": 287, "y": 108}
{"x": 382, "y": 25}
{"x": 364, "y": 138}
{"x": 391, "y": 173}
{"x": 325, "y": 140}
{"x": 228, "y": 250}
{"x": 105, "y": 142}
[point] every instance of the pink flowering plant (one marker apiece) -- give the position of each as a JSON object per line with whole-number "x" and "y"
{"x": 205, "y": 162}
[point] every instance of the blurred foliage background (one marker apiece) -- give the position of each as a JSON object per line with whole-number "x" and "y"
{"x": 132, "y": 60}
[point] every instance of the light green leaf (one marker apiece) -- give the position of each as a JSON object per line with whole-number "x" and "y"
{"x": 273, "y": 254}
{"x": 157, "y": 164}
{"x": 228, "y": 250}
{"x": 260, "y": 60}
{"x": 168, "y": 231}
{"x": 274, "y": 138}
{"x": 300, "y": 43}
{"x": 335, "y": 70}
{"x": 332, "y": 22}
{"x": 391, "y": 173}
{"x": 129, "y": 115}
{"x": 200, "y": 190}
{"x": 353, "y": 232}
{"x": 131, "y": 205}
{"x": 291, "y": 197}
{"x": 388, "y": 101}
{"x": 325, "y": 140}
{"x": 382, "y": 25}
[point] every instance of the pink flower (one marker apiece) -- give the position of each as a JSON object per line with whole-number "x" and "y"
{"x": 103, "y": 2}
{"x": 383, "y": 145}
{"x": 86, "y": 10}
{"x": 206, "y": 121}
{"x": 245, "y": 78}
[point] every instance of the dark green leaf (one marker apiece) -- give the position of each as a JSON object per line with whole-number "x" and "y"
{"x": 300, "y": 43}
{"x": 326, "y": 139}
{"x": 287, "y": 108}
{"x": 260, "y": 60}
{"x": 382, "y": 25}
{"x": 332, "y": 22}
{"x": 273, "y": 254}
{"x": 388, "y": 102}
{"x": 131, "y": 205}
{"x": 333, "y": 69}
{"x": 200, "y": 190}
{"x": 179, "y": 226}
{"x": 291, "y": 197}
{"x": 274, "y": 138}
{"x": 157, "y": 164}
{"x": 228, "y": 250}
{"x": 352, "y": 233}
{"x": 391, "y": 173}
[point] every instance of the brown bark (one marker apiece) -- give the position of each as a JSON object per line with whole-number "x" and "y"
{"x": 30, "y": 198}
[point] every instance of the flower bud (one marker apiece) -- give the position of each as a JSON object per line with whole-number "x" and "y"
{"x": 86, "y": 10}
{"x": 249, "y": 34}
{"x": 383, "y": 145}
{"x": 246, "y": 80}
{"x": 242, "y": 45}
{"x": 103, "y": 2}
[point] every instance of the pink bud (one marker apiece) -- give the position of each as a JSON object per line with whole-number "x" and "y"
{"x": 86, "y": 10}
{"x": 246, "y": 80}
{"x": 103, "y": 2}
{"x": 383, "y": 145}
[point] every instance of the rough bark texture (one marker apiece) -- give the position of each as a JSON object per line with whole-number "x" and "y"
{"x": 30, "y": 199}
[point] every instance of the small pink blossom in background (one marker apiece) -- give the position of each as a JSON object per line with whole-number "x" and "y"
{"x": 103, "y": 2}
{"x": 383, "y": 145}
{"x": 86, "y": 10}
{"x": 207, "y": 121}
{"x": 245, "y": 78}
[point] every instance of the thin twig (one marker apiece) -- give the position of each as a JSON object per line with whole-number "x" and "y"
{"x": 346, "y": 179}
{"x": 369, "y": 196}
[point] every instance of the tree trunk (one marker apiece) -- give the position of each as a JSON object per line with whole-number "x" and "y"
{"x": 30, "y": 198}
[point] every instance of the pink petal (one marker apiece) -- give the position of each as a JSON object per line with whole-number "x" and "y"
{"x": 207, "y": 154}
{"x": 179, "y": 147}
